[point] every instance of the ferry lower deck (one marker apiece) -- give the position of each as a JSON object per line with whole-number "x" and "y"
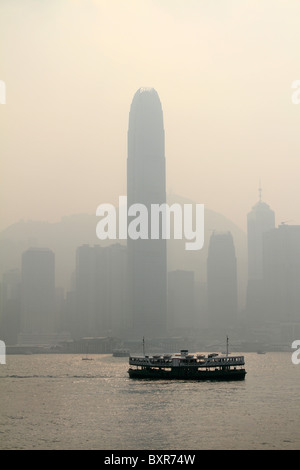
{"x": 187, "y": 374}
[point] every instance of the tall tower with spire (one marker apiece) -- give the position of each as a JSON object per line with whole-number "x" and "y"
{"x": 146, "y": 184}
{"x": 260, "y": 220}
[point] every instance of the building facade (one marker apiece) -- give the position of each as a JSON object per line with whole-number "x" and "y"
{"x": 281, "y": 267}
{"x": 38, "y": 311}
{"x": 221, "y": 281}
{"x": 181, "y": 302}
{"x": 100, "y": 291}
{"x": 260, "y": 220}
{"x": 147, "y": 259}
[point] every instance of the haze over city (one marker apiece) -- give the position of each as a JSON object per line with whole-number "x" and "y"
{"x": 223, "y": 72}
{"x": 189, "y": 105}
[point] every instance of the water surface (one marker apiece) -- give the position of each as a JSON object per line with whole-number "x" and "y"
{"x": 62, "y": 402}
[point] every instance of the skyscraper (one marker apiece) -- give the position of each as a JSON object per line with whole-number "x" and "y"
{"x": 281, "y": 263}
{"x": 10, "y": 306}
{"x": 146, "y": 185}
{"x": 89, "y": 291}
{"x": 260, "y": 220}
{"x": 100, "y": 291}
{"x": 181, "y": 301}
{"x": 38, "y": 295}
{"x": 221, "y": 281}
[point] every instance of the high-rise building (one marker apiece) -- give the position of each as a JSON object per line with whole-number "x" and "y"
{"x": 100, "y": 291}
{"x": 10, "y": 306}
{"x": 260, "y": 220}
{"x": 181, "y": 301}
{"x": 281, "y": 266}
{"x": 221, "y": 281}
{"x": 38, "y": 295}
{"x": 147, "y": 260}
{"x": 117, "y": 288}
{"x": 88, "y": 285}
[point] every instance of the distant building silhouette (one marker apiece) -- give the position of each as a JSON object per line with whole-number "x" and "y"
{"x": 38, "y": 296}
{"x": 181, "y": 301}
{"x": 221, "y": 281}
{"x": 10, "y": 306}
{"x": 281, "y": 267}
{"x": 88, "y": 286}
{"x": 260, "y": 220}
{"x": 100, "y": 291}
{"x": 146, "y": 185}
{"x": 118, "y": 289}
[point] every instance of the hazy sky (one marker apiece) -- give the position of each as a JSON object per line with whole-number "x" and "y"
{"x": 223, "y": 70}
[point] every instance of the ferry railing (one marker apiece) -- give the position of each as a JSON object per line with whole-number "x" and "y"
{"x": 212, "y": 361}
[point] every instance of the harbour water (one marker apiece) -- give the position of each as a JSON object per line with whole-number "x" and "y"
{"x": 56, "y": 401}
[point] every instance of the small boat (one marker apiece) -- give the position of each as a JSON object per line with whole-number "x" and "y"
{"x": 86, "y": 358}
{"x": 121, "y": 352}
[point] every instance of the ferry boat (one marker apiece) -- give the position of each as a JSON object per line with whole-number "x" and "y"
{"x": 187, "y": 366}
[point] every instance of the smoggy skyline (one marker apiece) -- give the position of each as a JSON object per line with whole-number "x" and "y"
{"x": 223, "y": 73}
